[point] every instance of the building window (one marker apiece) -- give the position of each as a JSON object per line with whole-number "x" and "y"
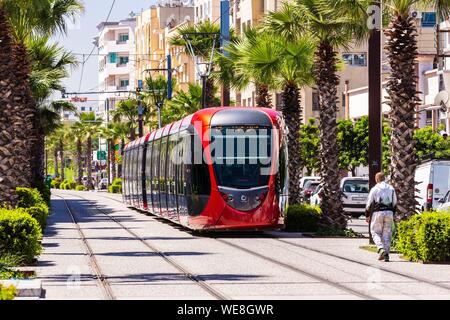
{"x": 112, "y": 57}
{"x": 124, "y": 83}
{"x": 429, "y": 119}
{"x": 315, "y": 101}
{"x": 355, "y": 59}
{"x": 123, "y": 37}
{"x": 83, "y": 108}
{"x": 123, "y": 61}
{"x": 429, "y": 19}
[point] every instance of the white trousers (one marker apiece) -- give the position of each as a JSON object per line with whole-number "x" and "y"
{"x": 381, "y": 228}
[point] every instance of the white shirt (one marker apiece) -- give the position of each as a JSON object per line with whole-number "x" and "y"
{"x": 382, "y": 193}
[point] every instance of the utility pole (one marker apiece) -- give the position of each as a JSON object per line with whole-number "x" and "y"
{"x": 375, "y": 89}
{"x": 375, "y": 116}
{"x": 224, "y": 40}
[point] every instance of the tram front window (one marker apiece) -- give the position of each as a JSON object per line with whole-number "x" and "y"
{"x": 241, "y": 156}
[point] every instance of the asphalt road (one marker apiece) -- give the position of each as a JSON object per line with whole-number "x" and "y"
{"x": 129, "y": 255}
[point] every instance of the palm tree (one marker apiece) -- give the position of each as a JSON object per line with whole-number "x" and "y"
{"x": 28, "y": 19}
{"x": 78, "y": 134}
{"x": 12, "y": 153}
{"x": 239, "y": 78}
{"x": 202, "y": 46}
{"x": 91, "y": 127}
{"x": 183, "y": 104}
{"x": 127, "y": 110}
{"x": 333, "y": 24}
{"x": 402, "y": 53}
{"x": 285, "y": 65}
{"x": 121, "y": 131}
{"x": 111, "y": 133}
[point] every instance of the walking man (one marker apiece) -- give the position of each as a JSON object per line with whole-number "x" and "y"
{"x": 381, "y": 204}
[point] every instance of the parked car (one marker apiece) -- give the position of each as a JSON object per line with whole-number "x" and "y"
{"x": 355, "y": 192}
{"x": 316, "y": 196}
{"x": 103, "y": 184}
{"x": 444, "y": 203}
{"x": 84, "y": 180}
{"x": 305, "y": 180}
{"x": 433, "y": 182}
{"x": 308, "y": 189}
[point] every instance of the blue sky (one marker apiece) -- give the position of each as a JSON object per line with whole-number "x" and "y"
{"x": 80, "y": 36}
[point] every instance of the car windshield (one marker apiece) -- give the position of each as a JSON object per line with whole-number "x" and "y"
{"x": 242, "y": 156}
{"x": 312, "y": 185}
{"x": 356, "y": 186}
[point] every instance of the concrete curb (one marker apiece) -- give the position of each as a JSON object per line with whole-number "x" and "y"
{"x": 25, "y": 288}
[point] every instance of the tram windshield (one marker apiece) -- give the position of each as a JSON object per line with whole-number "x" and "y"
{"x": 242, "y": 156}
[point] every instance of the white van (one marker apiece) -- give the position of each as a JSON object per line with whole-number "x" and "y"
{"x": 433, "y": 183}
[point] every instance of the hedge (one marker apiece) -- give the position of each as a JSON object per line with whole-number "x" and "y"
{"x": 56, "y": 183}
{"x": 34, "y": 204}
{"x": 116, "y": 186}
{"x": 20, "y": 234}
{"x": 7, "y": 293}
{"x": 80, "y": 188}
{"x": 68, "y": 185}
{"x": 425, "y": 237}
{"x": 302, "y": 218}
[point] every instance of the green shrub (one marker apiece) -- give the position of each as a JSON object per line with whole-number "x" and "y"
{"x": 117, "y": 182}
{"x": 302, "y": 218}
{"x": 28, "y": 197}
{"x": 7, "y": 293}
{"x": 80, "y": 188}
{"x": 20, "y": 234}
{"x": 40, "y": 213}
{"x": 115, "y": 188}
{"x": 425, "y": 237}
{"x": 33, "y": 203}
{"x": 56, "y": 183}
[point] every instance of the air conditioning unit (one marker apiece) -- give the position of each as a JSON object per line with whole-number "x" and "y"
{"x": 416, "y": 14}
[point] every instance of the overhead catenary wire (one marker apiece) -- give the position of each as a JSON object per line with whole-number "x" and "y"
{"x": 94, "y": 46}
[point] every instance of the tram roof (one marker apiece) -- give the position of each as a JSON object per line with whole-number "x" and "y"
{"x": 203, "y": 118}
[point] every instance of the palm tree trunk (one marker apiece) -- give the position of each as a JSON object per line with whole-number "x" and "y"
{"x": 79, "y": 161}
{"x": 402, "y": 53}
{"x": 119, "y": 166}
{"x": 113, "y": 161}
{"x": 89, "y": 163}
{"x": 26, "y": 122}
{"x": 9, "y": 161}
{"x": 263, "y": 98}
{"x": 210, "y": 93}
{"x": 55, "y": 164}
{"x": 61, "y": 153}
{"x": 327, "y": 82}
{"x": 293, "y": 117}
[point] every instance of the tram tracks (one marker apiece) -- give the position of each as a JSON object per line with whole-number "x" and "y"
{"x": 189, "y": 275}
{"x": 396, "y": 273}
{"x": 291, "y": 267}
{"x": 98, "y": 274}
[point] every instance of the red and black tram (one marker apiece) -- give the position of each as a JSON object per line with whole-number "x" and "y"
{"x": 219, "y": 169}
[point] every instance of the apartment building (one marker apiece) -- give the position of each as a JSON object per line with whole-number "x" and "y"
{"x": 207, "y": 10}
{"x": 116, "y": 48}
{"x": 155, "y": 26}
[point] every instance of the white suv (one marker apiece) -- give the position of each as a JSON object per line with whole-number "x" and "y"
{"x": 355, "y": 192}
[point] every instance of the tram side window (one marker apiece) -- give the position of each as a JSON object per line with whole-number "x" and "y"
{"x": 163, "y": 162}
{"x": 155, "y": 165}
{"x": 201, "y": 180}
{"x": 148, "y": 167}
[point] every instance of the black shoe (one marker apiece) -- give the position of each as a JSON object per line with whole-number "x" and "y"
{"x": 386, "y": 258}
{"x": 382, "y": 254}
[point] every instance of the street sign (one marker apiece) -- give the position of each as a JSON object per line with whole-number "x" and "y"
{"x": 101, "y": 155}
